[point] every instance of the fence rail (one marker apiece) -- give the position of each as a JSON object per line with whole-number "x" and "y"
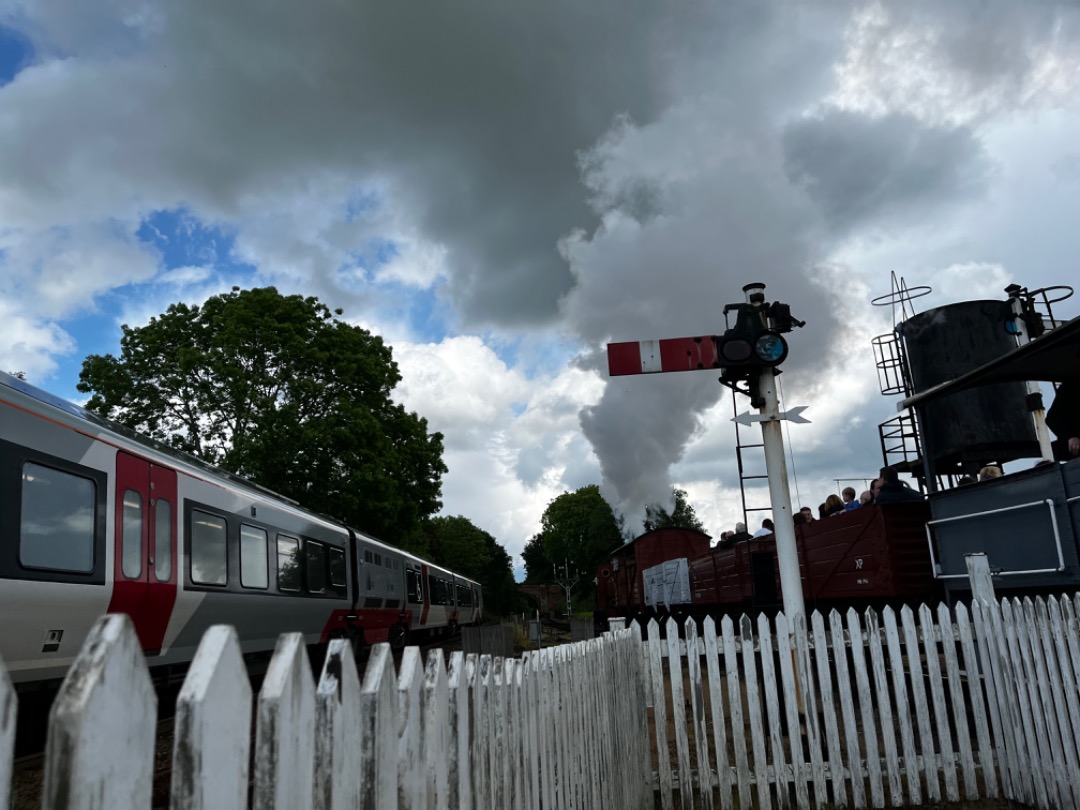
{"x": 857, "y": 710}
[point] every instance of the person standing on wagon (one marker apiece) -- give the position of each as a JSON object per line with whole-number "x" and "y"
{"x": 1064, "y": 419}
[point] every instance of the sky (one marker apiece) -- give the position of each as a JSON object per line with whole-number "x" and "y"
{"x": 499, "y": 189}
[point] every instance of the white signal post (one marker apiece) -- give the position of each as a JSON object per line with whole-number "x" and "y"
{"x": 787, "y": 554}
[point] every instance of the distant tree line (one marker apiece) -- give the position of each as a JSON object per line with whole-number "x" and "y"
{"x": 579, "y": 530}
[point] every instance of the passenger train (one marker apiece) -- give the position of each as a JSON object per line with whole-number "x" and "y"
{"x": 95, "y": 519}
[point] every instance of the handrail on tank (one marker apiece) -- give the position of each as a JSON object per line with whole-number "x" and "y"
{"x": 1049, "y": 502}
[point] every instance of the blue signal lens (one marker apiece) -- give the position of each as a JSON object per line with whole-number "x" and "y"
{"x": 770, "y": 348}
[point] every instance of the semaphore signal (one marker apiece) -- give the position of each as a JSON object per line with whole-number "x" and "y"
{"x": 747, "y": 356}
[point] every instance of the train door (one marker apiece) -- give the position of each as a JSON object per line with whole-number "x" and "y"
{"x": 426, "y": 585}
{"x": 144, "y": 568}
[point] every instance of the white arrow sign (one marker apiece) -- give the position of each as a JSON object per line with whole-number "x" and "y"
{"x": 794, "y": 415}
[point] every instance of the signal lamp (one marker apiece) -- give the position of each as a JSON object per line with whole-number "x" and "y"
{"x": 735, "y": 350}
{"x": 770, "y": 349}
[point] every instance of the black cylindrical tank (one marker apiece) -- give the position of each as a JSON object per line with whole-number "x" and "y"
{"x": 988, "y": 423}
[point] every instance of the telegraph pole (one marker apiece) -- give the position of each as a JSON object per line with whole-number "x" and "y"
{"x": 566, "y": 582}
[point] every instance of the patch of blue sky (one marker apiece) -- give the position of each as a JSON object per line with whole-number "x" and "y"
{"x": 360, "y": 271}
{"x": 427, "y": 314}
{"x": 94, "y": 332}
{"x": 361, "y": 204}
{"x": 185, "y": 241}
{"x": 16, "y": 53}
{"x": 534, "y": 355}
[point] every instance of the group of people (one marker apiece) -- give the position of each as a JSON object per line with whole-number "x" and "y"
{"x": 886, "y": 488}
{"x": 1063, "y": 418}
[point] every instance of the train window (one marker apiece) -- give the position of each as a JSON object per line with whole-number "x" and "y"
{"x": 131, "y": 536}
{"x": 288, "y": 563}
{"x": 58, "y": 518}
{"x": 254, "y": 570}
{"x": 413, "y": 588}
{"x": 315, "y": 557}
{"x": 209, "y": 564}
{"x": 367, "y": 555}
{"x": 163, "y": 528}
{"x": 378, "y": 559}
{"x": 337, "y": 568}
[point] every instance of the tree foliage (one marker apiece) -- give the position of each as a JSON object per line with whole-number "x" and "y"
{"x": 578, "y": 529}
{"x": 458, "y": 544}
{"x": 682, "y": 516}
{"x": 275, "y": 388}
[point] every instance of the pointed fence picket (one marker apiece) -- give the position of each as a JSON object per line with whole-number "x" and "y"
{"x": 337, "y": 745}
{"x": 210, "y": 757}
{"x": 859, "y": 710}
{"x": 8, "y": 710}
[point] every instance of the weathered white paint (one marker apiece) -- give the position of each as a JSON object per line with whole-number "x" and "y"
{"x": 735, "y": 710}
{"x": 285, "y": 729}
{"x": 754, "y": 710}
{"x": 781, "y": 772}
{"x": 337, "y": 732}
{"x": 212, "y": 738}
{"x": 846, "y": 695}
{"x": 378, "y": 730}
{"x": 8, "y": 709}
{"x": 100, "y": 752}
{"x": 828, "y": 710}
{"x": 659, "y": 706}
{"x": 808, "y": 696}
{"x": 903, "y": 712}
{"x": 786, "y": 654}
{"x": 412, "y": 783}
{"x": 459, "y": 783}
{"x": 918, "y": 696}
{"x": 682, "y": 745}
{"x": 712, "y": 665}
{"x": 438, "y": 733}
{"x": 946, "y": 765}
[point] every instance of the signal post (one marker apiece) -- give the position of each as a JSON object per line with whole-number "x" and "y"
{"x": 747, "y": 356}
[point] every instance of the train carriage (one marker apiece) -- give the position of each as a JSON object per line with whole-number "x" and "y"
{"x": 96, "y": 519}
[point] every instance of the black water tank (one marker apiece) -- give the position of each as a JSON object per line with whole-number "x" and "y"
{"x": 970, "y": 428}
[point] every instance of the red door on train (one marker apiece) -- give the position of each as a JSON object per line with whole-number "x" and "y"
{"x": 144, "y": 571}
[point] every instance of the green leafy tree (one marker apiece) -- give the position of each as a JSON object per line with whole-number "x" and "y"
{"x": 538, "y": 566}
{"x": 579, "y": 530}
{"x": 277, "y": 389}
{"x": 681, "y": 517}
{"x": 458, "y": 544}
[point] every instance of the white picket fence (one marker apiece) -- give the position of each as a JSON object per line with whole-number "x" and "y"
{"x": 868, "y": 711}
{"x": 555, "y": 729}
{"x": 856, "y": 710}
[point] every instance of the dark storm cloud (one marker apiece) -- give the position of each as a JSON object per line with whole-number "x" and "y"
{"x": 861, "y": 169}
{"x": 472, "y": 113}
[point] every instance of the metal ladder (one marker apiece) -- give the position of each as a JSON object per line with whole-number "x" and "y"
{"x": 740, "y": 457}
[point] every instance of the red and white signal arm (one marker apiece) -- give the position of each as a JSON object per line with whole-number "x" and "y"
{"x": 661, "y": 356}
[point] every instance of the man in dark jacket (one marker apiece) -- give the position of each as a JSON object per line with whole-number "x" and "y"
{"x": 1064, "y": 419}
{"x": 893, "y": 490}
